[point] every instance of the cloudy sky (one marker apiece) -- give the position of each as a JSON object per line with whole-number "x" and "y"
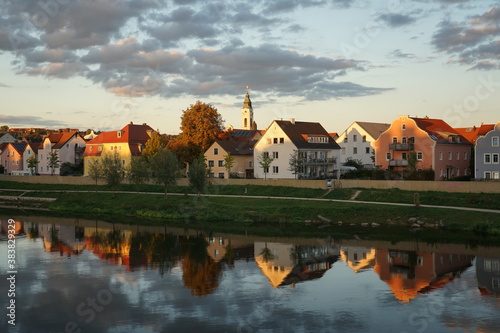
{"x": 103, "y": 63}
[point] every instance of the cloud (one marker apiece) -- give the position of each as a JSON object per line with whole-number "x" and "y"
{"x": 397, "y": 20}
{"x": 29, "y": 121}
{"x": 472, "y": 43}
{"x": 399, "y": 54}
{"x": 4, "y": 85}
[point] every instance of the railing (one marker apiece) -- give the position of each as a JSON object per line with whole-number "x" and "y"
{"x": 398, "y": 162}
{"x": 317, "y": 161}
{"x": 401, "y": 146}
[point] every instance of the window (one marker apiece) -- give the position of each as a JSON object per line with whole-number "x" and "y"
{"x": 494, "y": 141}
{"x": 221, "y": 163}
{"x": 419, "y": 156}
{"x": 99, "y": 148}
{"x": 403, "y": 127}
{"x": 496, "y": 175}
{"x": 269, "y": 140}
{"x": 388, "y": 156}
{"x": 411, "y": 139}
{"x": 343, "y": 151}
{"x": 282, "y": 140}
{"x": 275, "y": 169}
{"x": 441, "y": 172}
{"x": 394, "y": 139}
{"x": 275, "y": 154}
{"x": 67, "y": 145}
{"x": 458, "y": 172}
{"x": 440, "y": 155}
{"x": 250, "y": 164}
{"x": 266, "y": 154}
{"x": 111, "y": 148}
{"x": 487, "y": 175}
{"x": 450, "y": 155}
{"x": 216, "y": 151}
{"x": 367, "y": 150}
{"x": 458, "y": 155}
{"x": 275, "y": 140}
{"x": 345, "y": 139}
{"x": 403, "y": 139}
{"x": 494, "y": 158}
{"x": 119, "y": 134}
{"x": 211, "y": 175}
{"x": 211, "y": 163}
{"x": 123, "y": 162}
{"x": 266, "y": 170}
{"x": 465, "y": 171}
{"x": 404, "y": 156}
{"x": 91, "y": 148}
{"x": 364, "y": 138}
{"x": 355, "y": 150}
{"x": 29, "y": 151}
{"x": 354, "y": 138}
{"x": 119, "y": 147}
{"x": 465, "y": 155}
{"x": 487, "y": 158}
{"x": 221, "y": 175}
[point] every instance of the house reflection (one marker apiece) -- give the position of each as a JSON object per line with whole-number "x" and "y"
{"x": 287, "y": 264}
{"x": 358, "y": 258}
{"x": 410, "y": 273}
{"x": 67, "y": 240}
{"x": 18, "y": 227}
{"x": 488, "y": 276}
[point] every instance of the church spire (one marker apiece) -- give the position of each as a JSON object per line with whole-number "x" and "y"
{"x": 247, "y": 112}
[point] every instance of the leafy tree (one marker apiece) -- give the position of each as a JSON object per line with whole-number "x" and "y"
{"x": 53, "y": 162}
{"x": 296, "y": 163}
{"x": 185, "y": 151}
{"x": 32, "y": 163}
{"x": 95, "y": 171}
{"x": 153, "y": 146}
{"x": 228, "y": 163}
{"x": 412, "y": 161}
{"x": 138, "y": 171}
{"x": 265, "y": 162}
{"x": 201, "y": 124}
{"x": 358, "y": 164}
{"x": 198, "y": 174}
{"x": 112, "y": 170}
{"x": 4, "y": 128}
{"x": 165, "y": 167}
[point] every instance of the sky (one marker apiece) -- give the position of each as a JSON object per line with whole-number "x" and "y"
{"x": 102, "y": 63}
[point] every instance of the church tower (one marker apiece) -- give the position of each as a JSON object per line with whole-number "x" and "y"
{"x": 247, "y": 113}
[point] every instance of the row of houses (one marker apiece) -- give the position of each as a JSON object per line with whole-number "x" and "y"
{"x": 292, "y": 149}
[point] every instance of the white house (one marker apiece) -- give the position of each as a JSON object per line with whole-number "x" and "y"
{"x": 315, "y": 150}
{"x": 357, "y": 140}
{"x": 68, "y": 145}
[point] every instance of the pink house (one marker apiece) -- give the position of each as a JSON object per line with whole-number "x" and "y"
{"x": 12, "y": 156}
{"x": 436, "y": 144}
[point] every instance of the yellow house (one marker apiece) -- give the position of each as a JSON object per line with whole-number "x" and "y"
{"x": 242, "y": 151}
{"x": 125, "y": 143}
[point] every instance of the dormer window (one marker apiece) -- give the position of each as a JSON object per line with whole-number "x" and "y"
{"x": 119, "y": 134}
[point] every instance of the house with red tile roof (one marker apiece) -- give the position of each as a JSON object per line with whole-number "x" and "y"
{"x": 125, "y": 143}
{"x": 11, "y": 156}
{"x": 436, "y": 146}
{"x": 473, "y": 133}
{"x": 69, "y": 147}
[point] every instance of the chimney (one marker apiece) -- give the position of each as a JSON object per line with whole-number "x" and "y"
{"x": 292, "y": 121}
{"x": 131, "y": 123}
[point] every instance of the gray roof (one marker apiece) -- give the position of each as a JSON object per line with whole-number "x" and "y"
{"x": 297, "y": 130}
{"x": 373, "y": 129}
{"x": 237, "y": 147}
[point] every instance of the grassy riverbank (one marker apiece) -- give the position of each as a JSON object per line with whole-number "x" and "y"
{"x": 285, "y": 213}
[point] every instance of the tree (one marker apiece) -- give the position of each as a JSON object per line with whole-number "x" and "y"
{"x": 185, "y": 151}
{"x": 32, "y": 163}
{"x": 53, "y": 162}
{"x": 95, "y": 171}
{"x": 165, "y": 168}
{"x": 138, "y": 171}
{"x": 296, "y": 163}
{"x": 228, "y": 163}
{"x": 200, "y": 124}
{"x": 265, "y": 162}
{"x": 198, "y": 174}
{"x": 4, "y": 128}
{"x": 358, "y": 164}
{"x": 155, "y": 143}
{"x": 412, "y": 161}
{"x": 112, "y": 170}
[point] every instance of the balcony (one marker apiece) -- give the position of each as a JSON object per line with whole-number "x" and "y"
{"x": 398, "y": 163}
{"x": 319, "y": 161}
{"x": 401, "y": 146}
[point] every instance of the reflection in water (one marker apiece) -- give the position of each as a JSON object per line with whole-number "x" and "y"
{"x": 204, "y": 264}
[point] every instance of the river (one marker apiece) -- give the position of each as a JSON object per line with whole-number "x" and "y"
{"x": 77, "y": 275}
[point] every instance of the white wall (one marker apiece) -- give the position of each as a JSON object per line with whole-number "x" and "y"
{"x": 348, "y": 147}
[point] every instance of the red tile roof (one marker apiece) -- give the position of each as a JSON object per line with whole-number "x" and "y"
{"x": 63, "y": 138}
{"x": 439, "y": 130}
{"x": 472, "y": 133}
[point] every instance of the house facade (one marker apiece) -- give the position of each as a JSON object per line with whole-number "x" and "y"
{"x": 12, "y": 156}
{"x": 125, "y": 144}
{"x": 487, "y": 155}
{"x": 435, "y": 144}
{"x": 6, "y": 137}
{"x": 69, "y": 147}
{"x": 316, "y": 153}
{"x": 357, "y": 140}
{"x": 242, "y": 151}
{"x": 30, "y": 150}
